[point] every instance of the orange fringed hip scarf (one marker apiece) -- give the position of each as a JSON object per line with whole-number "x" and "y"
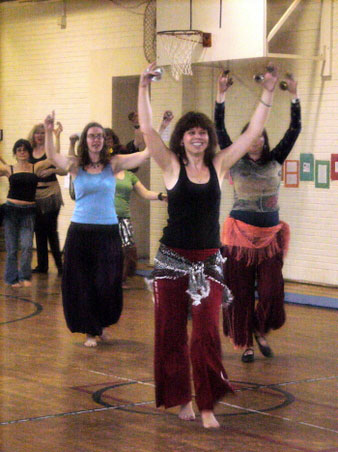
{"x": 254, "y": 243}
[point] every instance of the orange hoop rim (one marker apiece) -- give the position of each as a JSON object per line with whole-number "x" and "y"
{"x": 185, "y": 34}
{"x": 180, "y": 32}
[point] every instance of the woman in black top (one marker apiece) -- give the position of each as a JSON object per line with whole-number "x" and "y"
{"x": 20, "y": 213}
{"x": 48, "y": 201}
{"x": 188, "y": 264}
{"x": 254, "y": 239}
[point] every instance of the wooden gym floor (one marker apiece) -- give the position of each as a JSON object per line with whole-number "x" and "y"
{"x": 59, "y": 396}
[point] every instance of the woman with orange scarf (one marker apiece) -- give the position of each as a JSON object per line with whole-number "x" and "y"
{"x": 254, "y": 240}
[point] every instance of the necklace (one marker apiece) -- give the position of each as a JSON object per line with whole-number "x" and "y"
{"x": 196, "y": 175}
{"x": 95, "y": 164}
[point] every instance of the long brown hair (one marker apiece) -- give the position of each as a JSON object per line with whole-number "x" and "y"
{"x": 189, "y": 121}
{"x": 118, "y": 148}
{"x": 83, "y": 151}
{"x": 265, "y": 156}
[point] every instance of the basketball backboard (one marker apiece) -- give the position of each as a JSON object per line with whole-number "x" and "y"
{"x": 238, "y": 28}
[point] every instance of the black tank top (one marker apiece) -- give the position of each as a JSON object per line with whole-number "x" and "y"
{"x": 22, "y": 186}
{"x": 51, "y": 178}
{"x": 193, "y": 210}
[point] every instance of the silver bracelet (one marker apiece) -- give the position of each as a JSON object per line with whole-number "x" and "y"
{"x": 264, "y": 103}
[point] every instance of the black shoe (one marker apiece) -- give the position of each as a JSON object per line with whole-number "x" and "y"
{"x": 248, "y": 356}
{"x": 39, "y": 270}
{"x": 264, "y": 349}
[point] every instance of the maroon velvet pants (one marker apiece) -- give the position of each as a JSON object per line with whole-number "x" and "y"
{"x": 245, "y": 315}
{"x": 172, "y": 351}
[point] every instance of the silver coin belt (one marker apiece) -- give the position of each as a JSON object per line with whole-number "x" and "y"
{"x": 171, "y": 265}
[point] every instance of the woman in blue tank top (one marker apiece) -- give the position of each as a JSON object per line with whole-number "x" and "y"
{"x": 188, "y": 266}
{"x": 92, "y": 276}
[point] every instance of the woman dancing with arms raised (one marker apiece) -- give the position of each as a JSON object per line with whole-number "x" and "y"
{"x": 92, "y": 277}
{"x": 192, "y": 173}
{"x": 19, "y": 212}
{"x": 254, "y": 239}
{"x": 48, "y": 201}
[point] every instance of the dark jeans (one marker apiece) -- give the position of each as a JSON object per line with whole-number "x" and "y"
{"x": 19, "y": 228}
{"x": 46, "y": 231}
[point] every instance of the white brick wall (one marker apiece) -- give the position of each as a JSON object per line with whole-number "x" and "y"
{"x": 311, "y": 212}
{"x": 43, "y": 67}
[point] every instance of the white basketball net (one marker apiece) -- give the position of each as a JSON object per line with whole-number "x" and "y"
{"x": 179, "y": 47}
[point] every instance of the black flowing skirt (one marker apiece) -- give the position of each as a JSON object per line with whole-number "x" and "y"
{"x": 92, "y": 278}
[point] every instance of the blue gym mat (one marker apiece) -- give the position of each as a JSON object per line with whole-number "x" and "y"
{"x": 311, "y": 300}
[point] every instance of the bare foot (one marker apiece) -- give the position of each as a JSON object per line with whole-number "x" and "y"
{"x": 209, "y": 420}
{"x": 26, "y": 283}
{"x": 90, "y": 341}
{"x": 105, "y": 335}
{"x": 186, "y": 412}
{"x": 15, "y": 285}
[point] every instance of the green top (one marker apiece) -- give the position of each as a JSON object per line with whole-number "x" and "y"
{"x": 124, "y": 187}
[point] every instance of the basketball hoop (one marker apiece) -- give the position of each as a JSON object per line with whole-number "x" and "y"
{"x": 179, "y": 45}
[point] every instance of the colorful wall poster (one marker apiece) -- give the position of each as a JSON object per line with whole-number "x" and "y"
{"x": 334, "y": 166}
{"x": 306, "y": 167}
{"x": 291, "y": 173}
{"x": 322, "y": 174}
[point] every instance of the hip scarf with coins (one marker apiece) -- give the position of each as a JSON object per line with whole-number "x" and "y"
{"x": 171, "y": 265}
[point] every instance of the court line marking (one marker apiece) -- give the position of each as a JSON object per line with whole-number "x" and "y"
{"x": 261, "y": 386}
{"x": 74, "y": 413}
{"x": 38, "y": 308}
{"x": 94, "y": 410}
{"x": 284, "y": 418}
{"x": 131, "y": 380}
{"x": 128, "y": 405}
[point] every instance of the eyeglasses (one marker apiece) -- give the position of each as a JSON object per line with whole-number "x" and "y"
{"x": 98, "y": 136}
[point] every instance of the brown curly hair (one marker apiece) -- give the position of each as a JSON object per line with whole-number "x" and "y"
{"x": 189, "y": 121}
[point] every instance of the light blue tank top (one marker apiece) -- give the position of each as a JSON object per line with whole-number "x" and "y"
{"x": 94, "y": 197}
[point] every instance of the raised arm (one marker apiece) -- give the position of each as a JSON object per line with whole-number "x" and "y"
{"x": 72, "y": 141}
{"x": 223, "y": 84}
{"x": 57, "y": 132}
{"x": 227, "y": 157}
{"x": 157, "y": 149}
{"x": 138, "y": 141}
{"x": 284, "y": 147}
{"x": 165, "y": 123}
{"x": 60, "y": 161}
{"x": 121, "y": 162}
